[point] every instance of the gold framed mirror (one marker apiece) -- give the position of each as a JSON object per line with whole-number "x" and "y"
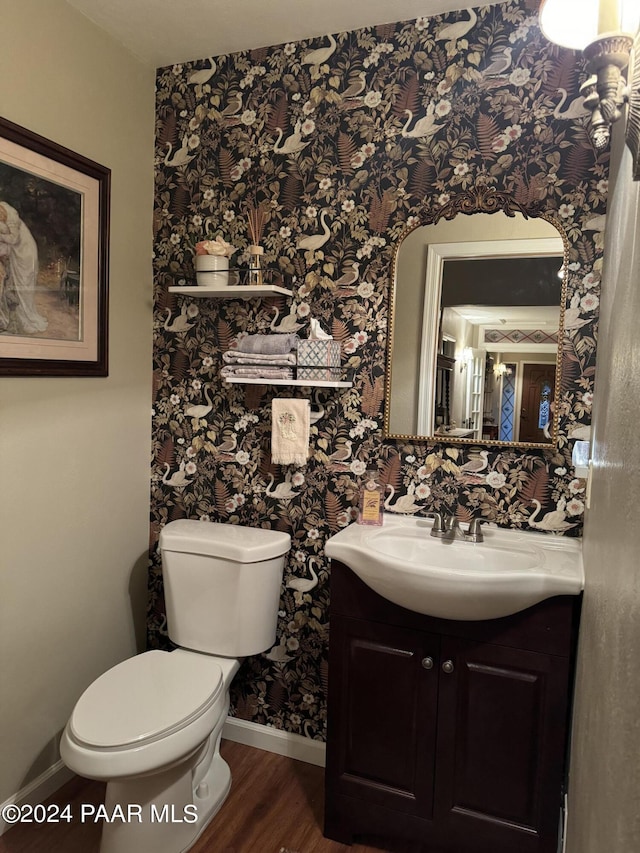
{"x": 476, "y": 320}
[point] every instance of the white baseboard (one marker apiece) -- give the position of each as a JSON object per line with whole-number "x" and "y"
{"x": 37, "y": 791}
{"x": 275, "y": 740}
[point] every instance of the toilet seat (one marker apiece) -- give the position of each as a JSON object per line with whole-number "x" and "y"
{"x": 145, "y": 698}
{"x": 145, "y": 713}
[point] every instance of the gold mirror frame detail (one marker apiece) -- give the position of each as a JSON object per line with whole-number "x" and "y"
{"x": 481, "y": 199}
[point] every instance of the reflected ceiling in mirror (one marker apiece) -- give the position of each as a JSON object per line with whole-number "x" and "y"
{"x": 476, "y": 315}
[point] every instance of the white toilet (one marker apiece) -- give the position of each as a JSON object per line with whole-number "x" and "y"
{"x": 150, "y": 727}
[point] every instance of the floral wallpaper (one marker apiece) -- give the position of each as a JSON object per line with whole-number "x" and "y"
{"x": 331, "y": 148}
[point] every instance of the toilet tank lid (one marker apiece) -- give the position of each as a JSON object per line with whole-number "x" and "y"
{"x": 228, "y": 541}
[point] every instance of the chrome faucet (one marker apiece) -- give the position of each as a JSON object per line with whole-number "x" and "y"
{"x": 446, "y": 527}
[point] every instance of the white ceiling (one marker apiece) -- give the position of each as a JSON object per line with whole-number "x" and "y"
{"x": 513, "y": 316}
{"x": 164, "y": 32}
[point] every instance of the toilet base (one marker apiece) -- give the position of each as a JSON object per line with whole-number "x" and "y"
{"x": 176, "y": 805}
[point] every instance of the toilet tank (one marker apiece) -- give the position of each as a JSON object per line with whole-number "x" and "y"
{"x": 222, "y": 585}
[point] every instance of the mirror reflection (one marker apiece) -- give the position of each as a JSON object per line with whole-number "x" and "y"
{"x": 474, "y": 330}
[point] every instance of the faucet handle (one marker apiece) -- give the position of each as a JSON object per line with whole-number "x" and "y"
{"x": 438, "y": 525}
{"x": 474, "y": 533}
{"x": 451, "y": 523}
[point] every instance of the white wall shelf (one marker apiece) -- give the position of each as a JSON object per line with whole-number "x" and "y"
{"x": 300, "y": 383}
{"x": 231, "y": 291}
{"x": 251, "y": 291}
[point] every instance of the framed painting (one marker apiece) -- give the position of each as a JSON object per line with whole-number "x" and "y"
{"x": 54, "y": 258}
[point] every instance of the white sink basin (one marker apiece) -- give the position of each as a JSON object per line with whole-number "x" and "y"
{"x": 508, "y": 572}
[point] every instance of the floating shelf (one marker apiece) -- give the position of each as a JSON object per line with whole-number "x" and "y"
{"x": 300, "y": 383}
{"x": 243, "y": 291}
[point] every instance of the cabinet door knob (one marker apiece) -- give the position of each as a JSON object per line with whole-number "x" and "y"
{"x": 427, "y": 663}
{"x": 448, "y": 666}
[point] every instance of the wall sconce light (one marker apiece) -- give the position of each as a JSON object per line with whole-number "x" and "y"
{"x": 501, "y": 369}
{"x": 604, "y": 30}
{"x": 466, "y": 358}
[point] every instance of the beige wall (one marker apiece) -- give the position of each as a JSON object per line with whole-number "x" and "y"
{"x": 74, "y": 453}
{"x": 605, "y": 756}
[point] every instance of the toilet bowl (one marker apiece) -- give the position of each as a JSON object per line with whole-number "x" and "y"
{"x": 151, "y": 726}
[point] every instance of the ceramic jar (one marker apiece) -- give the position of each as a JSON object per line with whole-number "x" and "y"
{"x": 212, "y": 271}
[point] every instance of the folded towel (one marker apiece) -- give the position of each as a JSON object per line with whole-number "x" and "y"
{"x": 257, "y": 372}
{"x": 289, "y": 431}
{"x": 268, "y": 344}
{"x": 232, "y": 356}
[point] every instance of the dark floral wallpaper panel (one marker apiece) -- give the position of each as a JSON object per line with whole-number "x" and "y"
{"x": 330, "y": 149}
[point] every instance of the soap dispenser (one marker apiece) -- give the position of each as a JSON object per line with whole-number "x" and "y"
{"x": 371, "y": 499}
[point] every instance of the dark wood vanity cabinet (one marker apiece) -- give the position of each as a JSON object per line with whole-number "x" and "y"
{"x": 446, "y": 737}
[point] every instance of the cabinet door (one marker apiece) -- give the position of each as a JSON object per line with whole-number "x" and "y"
{"x": 501, "y": 744}
{"x": 382, "y": 715}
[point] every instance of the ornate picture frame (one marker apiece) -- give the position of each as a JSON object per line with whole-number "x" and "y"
{"x": 54, "y": 257}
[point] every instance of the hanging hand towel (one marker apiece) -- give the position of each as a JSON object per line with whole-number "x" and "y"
{"x": 289, "y": 431}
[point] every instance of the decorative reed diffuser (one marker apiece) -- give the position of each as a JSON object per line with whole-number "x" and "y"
{"x": 255, "y": 264}
{"x": 257, "y": 218}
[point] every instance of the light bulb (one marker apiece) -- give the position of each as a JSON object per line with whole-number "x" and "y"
{"x": 576, "y": 23}
{"x": 570, "y": 23}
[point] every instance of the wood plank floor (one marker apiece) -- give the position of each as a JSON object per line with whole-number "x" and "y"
{"x": 275, "y": 803}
